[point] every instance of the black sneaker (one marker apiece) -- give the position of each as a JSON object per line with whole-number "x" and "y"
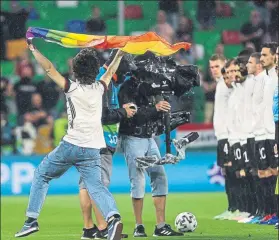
{"x": 115, "y": 227}
{"x": 104, "y": 234}
{"x": 27, "y": 229}
{"x": 139, "y": 231}
{"x": 123, "y": 235}
{"x": 89, "y": 233}
{"x": 166, "y": 231}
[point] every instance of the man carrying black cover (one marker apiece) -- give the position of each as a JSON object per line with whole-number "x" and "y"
{"x": 143, "y": 87}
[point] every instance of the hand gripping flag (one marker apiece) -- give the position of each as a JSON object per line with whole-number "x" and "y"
{"x": 137, "y": 45}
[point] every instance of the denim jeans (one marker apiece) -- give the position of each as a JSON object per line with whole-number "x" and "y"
{"x": 106, "y": 170}
{"x": 134, "y": 147}
{"x": 56, "y": 163}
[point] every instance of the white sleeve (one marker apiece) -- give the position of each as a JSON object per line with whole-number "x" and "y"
{"x": 217, "y": 110}
{"x": 258, "y": 106}
{"x": 268, "y": 112}
{"x": 100, "y": 86}
{"x": 71, "y": 86}
{"x": 103, "y": 86}
{"x": 232, "y": 116}
{"x": 248, "y": 117}
{"x": 220, "y": 118}
{"x": 239, "y": 114}
{"x": 229, "y": 117}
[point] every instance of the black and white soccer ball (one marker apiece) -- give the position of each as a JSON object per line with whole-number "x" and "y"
{"x": 186, "y": 222}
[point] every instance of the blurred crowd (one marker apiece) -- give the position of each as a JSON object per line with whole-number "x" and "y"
{"x": 38, "y": 107}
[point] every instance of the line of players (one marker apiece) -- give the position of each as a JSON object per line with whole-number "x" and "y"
{"x": 246, "y": 127}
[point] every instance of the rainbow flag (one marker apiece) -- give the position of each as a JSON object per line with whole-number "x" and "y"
{"x": 149, "y": 41}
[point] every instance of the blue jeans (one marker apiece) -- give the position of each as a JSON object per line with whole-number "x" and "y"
{"x": 56, "y": 163}
{"x": 134, "y": 147}
{"x": 106, "y": 170}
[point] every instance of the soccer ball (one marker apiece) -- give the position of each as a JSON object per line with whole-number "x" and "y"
{"x": 186, "y": 222}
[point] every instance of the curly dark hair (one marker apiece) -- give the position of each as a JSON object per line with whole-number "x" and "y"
{"x": 86, "y": 66}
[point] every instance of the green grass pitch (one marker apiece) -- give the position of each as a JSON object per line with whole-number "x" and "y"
{"x": 61, "y": 218}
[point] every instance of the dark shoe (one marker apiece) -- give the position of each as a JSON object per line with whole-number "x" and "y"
{"x": 139, "y": 231}
{"x": 104, "y": 234}
{"x": 27, "y": 229}
{"x": 166, "y": 231}
{"x": 89, "y": 233}
{"x": 123, "y": 235}
{"x": 115, "y": 227}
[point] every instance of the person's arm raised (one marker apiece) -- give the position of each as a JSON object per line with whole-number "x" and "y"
{"x": 48, "y": 67}
{"x": 112, "y": 68}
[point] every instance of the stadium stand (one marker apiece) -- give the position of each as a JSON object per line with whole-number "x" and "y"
{"x": 235, "y": 13}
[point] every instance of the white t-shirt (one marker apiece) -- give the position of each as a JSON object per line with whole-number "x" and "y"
{"x": 248, "y": 120}
{"x": 262, "y": 107}
{"x": 235, "y": 113}
{"x": 221, "y": 109}
{"x": 84, "y": 109}
{"x": 258, "y": 105}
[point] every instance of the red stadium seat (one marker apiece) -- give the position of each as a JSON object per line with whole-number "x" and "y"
{"x": 226, "y": 10}
{"x": 231, "y": 37}
{"x": 133, "y": 12}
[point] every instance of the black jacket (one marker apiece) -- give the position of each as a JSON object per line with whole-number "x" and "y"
{"x": 145, "y": 121}
{"x": 112, "y": 116}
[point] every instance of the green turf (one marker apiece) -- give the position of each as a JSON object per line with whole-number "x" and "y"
{"x": 61, "y": 218}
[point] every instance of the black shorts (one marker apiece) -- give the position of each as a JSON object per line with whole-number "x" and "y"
{"x": 249, "y": 154}
{"x": 246, "y": 159}
{"x": 272, "y": 153}
{"x": 223, "y": 149}
{"x": 261, "y": 155}
{"x": 237, "y": 158}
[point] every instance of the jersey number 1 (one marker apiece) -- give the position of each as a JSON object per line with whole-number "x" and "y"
{"x": 245, "y": 156}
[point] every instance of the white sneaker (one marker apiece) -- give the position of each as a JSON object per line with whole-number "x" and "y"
{"x": 222, "y": 215}
{"x": 245, "y": 220}
{"x": 232, "y": 215}
{"x": 241, "y": 216}
{"x": 245, "y": 214}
